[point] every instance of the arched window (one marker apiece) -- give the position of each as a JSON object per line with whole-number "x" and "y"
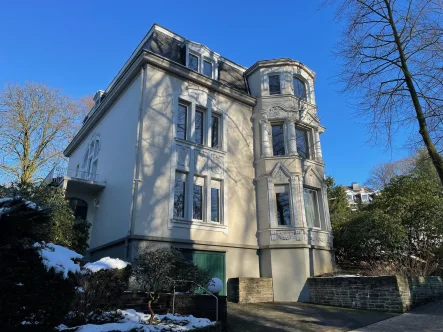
{"x": 299, "y": 88}
{"x": 79, "y": 208}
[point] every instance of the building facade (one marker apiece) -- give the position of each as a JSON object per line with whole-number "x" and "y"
{"x": 187, "y": 149}
{"x": 359, "y": 195}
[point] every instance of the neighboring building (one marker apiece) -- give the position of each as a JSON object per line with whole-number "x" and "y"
{"x": 188, "y": 149}
{"x": 356, "y": 195}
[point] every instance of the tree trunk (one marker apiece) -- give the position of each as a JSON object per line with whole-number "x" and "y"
{"x": 436, "y": 158}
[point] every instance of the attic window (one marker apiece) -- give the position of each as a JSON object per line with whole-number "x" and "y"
{"x": 207, "y": 68}
{"x": 274, "y": 85}
{"x": 193, "y": 62}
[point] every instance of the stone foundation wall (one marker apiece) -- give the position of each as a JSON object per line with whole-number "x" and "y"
{"x": 250, "y": 290}
{"x": 387, "y": 293}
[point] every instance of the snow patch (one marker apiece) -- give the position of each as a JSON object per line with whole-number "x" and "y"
{"x": 5, "y": 199}
{"x": 137, "y": 320}
{"x": 106, "y": 263}
{"x": 59, "y": 258}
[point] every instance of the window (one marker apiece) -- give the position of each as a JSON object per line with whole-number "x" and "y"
{"x": 215, "y": 201}
{"x": 274, "y": 85}
{"x": 181, "y": 121}
{"x": 79, "y": 208}
{"x": 90, "y": 161}
{"x": 311, "y": 207}
{"x": 302, "y": 143}
{"x": 283, "y": 206}
{"x": 199, "y": 127}
{"x": 364, "y": 197}
{"x": 215, "y": 132}
{"x": 207, "y": 68}
{"x": 299, "y": 88}
{"x": 278, "y": 140}
{"x": 350, "y": 197}
{"x": 193, "y": 62}
{"x": 179, "y": 195}
{"x": 197, "y": 199}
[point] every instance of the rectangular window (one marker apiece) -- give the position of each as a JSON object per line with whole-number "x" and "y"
{"x": 207, "y": 68}
{"x": 278, "y": 140}
{"x": 311, "y": 207}
{"x": 199, "y": 126}
{"x": 193, "y": 62}
{"x": 302, "y": 143}
{"x": 181, "y": 121}
{"x": 197, "y": 199}
{"x": 215, "y": 132}
{"x": 179, "y": 195}
{"x": 283, "y": 206}
{"x": 274, "y": 85}
{"x": 215, "y": 201}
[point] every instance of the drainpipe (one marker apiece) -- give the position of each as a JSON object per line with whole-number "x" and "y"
{"x": 136, "y": 181}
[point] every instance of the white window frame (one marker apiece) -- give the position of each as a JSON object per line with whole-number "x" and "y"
{"x": 205, "y": 59}
{"x": 91, "y": 159}
{"x": 306, "y": 84}
{"x": 269, "y": 85}
{"x": 286, "y": 190}
{"x": 199, "y": 60}
{"x": 271, "y": 138}
{"x": 317, "y": 191}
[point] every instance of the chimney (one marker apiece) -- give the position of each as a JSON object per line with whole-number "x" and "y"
{"x": 355, "y": 186}
{"x": 98, "y": 97}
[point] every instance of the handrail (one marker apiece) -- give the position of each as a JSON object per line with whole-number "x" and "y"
{"x": 199, "y": 286}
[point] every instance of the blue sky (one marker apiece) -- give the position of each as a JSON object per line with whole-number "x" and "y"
{"x": 79, "y": 46}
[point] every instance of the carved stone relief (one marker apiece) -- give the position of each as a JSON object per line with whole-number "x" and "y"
{"x": 217, "y": 164}
{"x": 201, "y": 161}
{"x": 183, "y": 153}
{"x": 304, "y": 236}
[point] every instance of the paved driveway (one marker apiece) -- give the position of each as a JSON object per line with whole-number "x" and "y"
{"x": 427, "y": 318}
{"x": 296, "y": 317}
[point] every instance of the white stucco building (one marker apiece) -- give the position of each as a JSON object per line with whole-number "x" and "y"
{"x": 190, "y": 150}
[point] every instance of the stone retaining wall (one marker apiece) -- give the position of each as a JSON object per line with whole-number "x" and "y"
{"x": 386, "y": 293}
{"x": 250, "y": 290}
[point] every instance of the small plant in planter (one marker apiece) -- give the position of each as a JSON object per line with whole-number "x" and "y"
{"x": 155, "y": 271}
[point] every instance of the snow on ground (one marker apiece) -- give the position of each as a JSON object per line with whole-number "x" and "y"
{"x": 106, "y": 263}
{"x": 133, "y": 319}
{"x": 59, "y": 258}
{"x": 5, "y": 199}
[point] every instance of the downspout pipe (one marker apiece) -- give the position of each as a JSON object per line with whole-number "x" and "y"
{"x": 136, "y": 181}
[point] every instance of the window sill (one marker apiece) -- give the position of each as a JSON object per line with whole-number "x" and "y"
{"x": 211, "y": 226}
{"x": 198, "y": 146}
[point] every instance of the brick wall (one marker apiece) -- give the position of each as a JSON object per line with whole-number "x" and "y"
{"x": 386, "y": 293}
{"x": 250, "y": 290}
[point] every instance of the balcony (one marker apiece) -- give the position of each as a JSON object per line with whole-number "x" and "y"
{"x": 74, "y": 180}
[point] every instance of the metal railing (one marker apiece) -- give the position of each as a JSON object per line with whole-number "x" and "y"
{"x": 59, "y": 173}
{"x": 202, "y": 288}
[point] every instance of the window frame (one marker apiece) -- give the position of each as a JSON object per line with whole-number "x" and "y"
{"x": 192, "y": 54}
{"x": 308, "y": 141}
{"x": 186, "y": 125}
{"x": 185, "y": 186}
{"x": 219, "y": 201}
{"x": 316, "y": 191}
{"x": 220, "y": 131}
{"x": 203, "y": 130}
{"x": 279, "y": 84}
{"x": 285, "y": 191}
{"x": 282, "y": 125}
{"x": 305, "y": 85}
{"x": 206, "y": 60}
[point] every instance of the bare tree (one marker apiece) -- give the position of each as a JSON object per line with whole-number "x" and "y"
{"x": 393, "y": 63}
{"x": 36, "y": 124}
{"x": 381, "y": 174}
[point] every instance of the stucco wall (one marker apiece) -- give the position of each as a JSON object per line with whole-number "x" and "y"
{"x": 117, "y": 132}
{"x": 157, "y": 165}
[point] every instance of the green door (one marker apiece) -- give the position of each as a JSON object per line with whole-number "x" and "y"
{"x": 212, "y": 261}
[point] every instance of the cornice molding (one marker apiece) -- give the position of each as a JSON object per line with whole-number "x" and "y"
{"x": 278, "y": 63}
{"x": 131, "y": 72}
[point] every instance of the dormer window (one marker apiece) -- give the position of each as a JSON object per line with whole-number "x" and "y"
{"x": 207, "y": 68}
{"x": 274, "y": 85}
{"x": 193, "y": 62}
{"x": 299, "y": 88}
